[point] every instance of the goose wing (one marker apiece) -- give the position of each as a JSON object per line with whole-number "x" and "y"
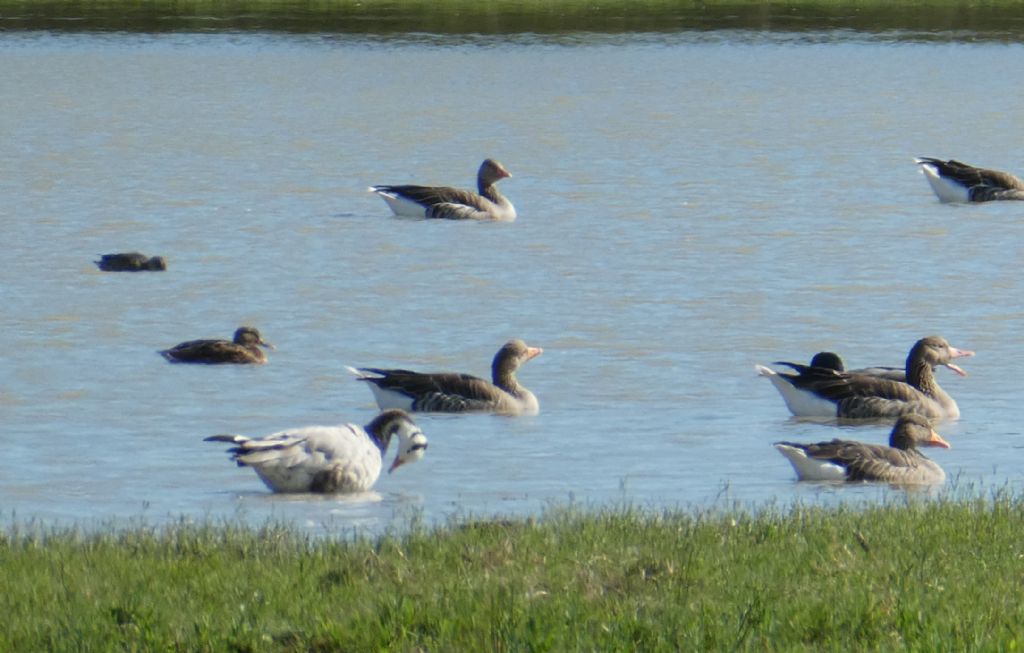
{"x": 313, "y": 458}
{"x": 433, "y": 195}
{"x": 862, "y": 462}
{"x": 446, "y": 391}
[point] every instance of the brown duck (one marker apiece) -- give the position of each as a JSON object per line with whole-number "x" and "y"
{"x": 130, "y": 262}
{"x": 243, "y": 349}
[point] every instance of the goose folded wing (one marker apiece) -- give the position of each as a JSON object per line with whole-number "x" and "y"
{"x": 883, "y": 464}
{"x": 812, "y": 378}
{"x": 978, "y": 179}
{"x": 862, "y": 461}
{"x": 799, "y": 368}
{"x": 284, "y": 449}
{"x": 839, "y": 386}
{"x": 415, "y": 384}
{"x": 839, "y": 452}
{"x": 998, "y": 179}
{"x": 431, "y": 195}
{"x": 455, "y": 211}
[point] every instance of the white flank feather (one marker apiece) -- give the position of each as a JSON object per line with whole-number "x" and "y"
{"x": 800, "y": 402}
{"x": 947, "y": 190}
{"x": 400, "y": 205}
{"x": 811, "y": 469}
{"x": 385, "y": 398}
{"x": 391, "y": 399}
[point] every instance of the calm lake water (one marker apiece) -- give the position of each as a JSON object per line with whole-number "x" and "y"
{"x": 690, "y": 204}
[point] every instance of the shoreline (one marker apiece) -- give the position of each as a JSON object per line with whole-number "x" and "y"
{"x": 507, "y": 17}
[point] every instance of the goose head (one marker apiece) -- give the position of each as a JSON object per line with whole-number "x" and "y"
{"x": 934, "y": 350}
{"x": 491, "y": 172}
{"x": 511, "y": 356}
{"x": 412, "y": 444}
{"x": 913, "y": 431}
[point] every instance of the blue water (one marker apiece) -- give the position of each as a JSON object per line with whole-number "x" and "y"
{"x": 689, "y": 206}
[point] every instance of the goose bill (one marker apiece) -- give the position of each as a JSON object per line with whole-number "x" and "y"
{"x": 936, "y": 440}
{"x": 956, "y": 368}
{"x": 398, "y": 462}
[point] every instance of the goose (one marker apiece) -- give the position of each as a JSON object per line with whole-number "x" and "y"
{"x": 130, "y": 262}
{"x": 448, "y": 392}
{"x": 245, "y": 348}
{"x": 452, "y": 203}
{"x": 834, "y": 361}
{"x": 954, "y": 181}
{"x": 823, "y": 392}
{"x": 328, "y": 459}
{"x": 900, "y": 462}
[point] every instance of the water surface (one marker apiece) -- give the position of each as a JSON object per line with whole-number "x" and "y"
{"x": 688, "y": 207}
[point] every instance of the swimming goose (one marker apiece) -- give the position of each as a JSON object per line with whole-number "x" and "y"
{"x": 451, "y": 203}
{"x": 245, "y": 348}
{"x": 900, "y": 462}
{"x": 328, "y": 459}
{"x": 831, "y": 360}
{"x": 954, "y": 181}
{"x": 823, "y": 392}
{"x": 130, "y": 262}
{"x": 457, "y": 393}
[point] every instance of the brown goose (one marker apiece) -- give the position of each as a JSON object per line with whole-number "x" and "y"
{"x": 130, "y": 262}
{"x": 954, "y": 181}
{"x": 245, "y": 348}
{"x": 447, "y": 392}
{"x": 451, "y": 203}
{"x": 900, "y": 462}
{"x": 823, "y": 392}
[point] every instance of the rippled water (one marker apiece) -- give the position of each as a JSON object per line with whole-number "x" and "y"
{"x": 688, "y": 207}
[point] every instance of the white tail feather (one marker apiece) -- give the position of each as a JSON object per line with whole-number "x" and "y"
{"x": 811, "y": 469}
{"x": 801, "y": 403}
{"x": 947, "y": 190}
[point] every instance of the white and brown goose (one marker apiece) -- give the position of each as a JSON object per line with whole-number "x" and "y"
{"x": 448, "y": 392}
{"x": 845, "y": 460}
{"x": 328, "y": 459}
{"x": 955, "y": 181}
{"x": 453, "y": 203}
{"x": 823, "y": 392}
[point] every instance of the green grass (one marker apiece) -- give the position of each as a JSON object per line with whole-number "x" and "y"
{"x": 926, "y": 576}
{"x": 383, "y": 17}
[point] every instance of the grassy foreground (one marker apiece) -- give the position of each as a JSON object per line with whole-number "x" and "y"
{"x": 938, "y": 575}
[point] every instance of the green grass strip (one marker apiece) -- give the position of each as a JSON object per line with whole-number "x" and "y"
{"x": 925, "y": 576}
